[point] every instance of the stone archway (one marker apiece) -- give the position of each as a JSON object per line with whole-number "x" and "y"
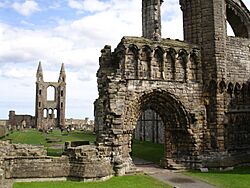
{"x": 178, "y": 144}
{"x": 238, "y": 17}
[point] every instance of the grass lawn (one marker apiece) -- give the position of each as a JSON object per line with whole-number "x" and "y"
{"x": 237, "y": 178}
{"x": 34, "y": 137}
{"x": 137, "y": 181}
{"x": 148, "y": 151}
{"x": 144, "y": 150}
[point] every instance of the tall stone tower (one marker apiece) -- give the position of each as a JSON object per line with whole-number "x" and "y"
{"x": 151, "y": 19}
{"x": 50, "y": 100}
{"x": 205, "y": 25}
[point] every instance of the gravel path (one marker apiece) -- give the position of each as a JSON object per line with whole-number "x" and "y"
{"x": 175, "y": 179}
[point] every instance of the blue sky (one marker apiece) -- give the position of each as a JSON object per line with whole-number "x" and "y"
{"x": 68, "y": 31}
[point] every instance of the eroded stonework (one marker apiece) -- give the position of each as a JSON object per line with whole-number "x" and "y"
{"x": 50, "y": 112}
{"x": 199, "y": 88}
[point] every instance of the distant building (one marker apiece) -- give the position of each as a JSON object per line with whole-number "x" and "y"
{"x": 17, "y": 122}
{"x": 50, "y": 112}
{"x": 80, "y": 124}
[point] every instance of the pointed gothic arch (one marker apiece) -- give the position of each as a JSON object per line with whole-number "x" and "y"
{"x": 178, "y": 141}
{"x": 238, "y": 17}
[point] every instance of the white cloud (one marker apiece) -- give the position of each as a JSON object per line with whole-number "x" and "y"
{"x": 89, "y": 5}
{"x": 76, "y": 43}
{"x": 27, "y": 8}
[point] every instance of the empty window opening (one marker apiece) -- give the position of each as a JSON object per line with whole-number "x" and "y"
{"x": 230, "y": 31}
{"x": 39, "y": 104}
{"x": 40, "y": 91}
{"x": 50, "y": 113}
{"x": 50, "y": 93}
{"x": 61, "y": 104}
{"x": 61, "y": 93}
{"x": 150, "y": 127}
{"x": 55, "y": 113}
{"x": 45, "y": 113}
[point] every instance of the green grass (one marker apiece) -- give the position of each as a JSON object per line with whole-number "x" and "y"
{"x": 34, "y": 137}
{"x": 144, "y": 150}
{"x": 237, "y": 178}
{"x": 137, "y": 181}
{"x": 148, "y": 151}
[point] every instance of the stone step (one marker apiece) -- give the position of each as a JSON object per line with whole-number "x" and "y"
{"x": 173, "y": 165}
{"x": 133, "y": 170}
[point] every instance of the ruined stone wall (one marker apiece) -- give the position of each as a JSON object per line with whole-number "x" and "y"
{"x": 80, "y": 124}
{"x": 26, "y": 161}
{"x": 22, "y": 122}
{"x": 164, "y": 76}
{"x": 238, "y": 60}
{"x": 50, "y": 112}
{"x": 87, "y": 162}
{"x": 8, "y": 150}
{"x": 36, "y": 167}
{"x": 3, "y": 128}
{"x": 17, "y": 122}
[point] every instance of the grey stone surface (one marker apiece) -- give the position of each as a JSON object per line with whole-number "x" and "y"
{"x": 198, "y": 87}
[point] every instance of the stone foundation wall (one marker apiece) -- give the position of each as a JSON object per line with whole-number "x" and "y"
{"x": 11, "y": 150}
{"x": 36, "y": 167}
{"x": 225, "y": 159}
{"x": 3, "y": 131}
{"x": 88, "y": 162}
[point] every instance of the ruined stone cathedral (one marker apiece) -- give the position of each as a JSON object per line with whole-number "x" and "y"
{"x": 199, "y": 88}
{"x": 197, "y": 91}
{"x": 50, "y": 109}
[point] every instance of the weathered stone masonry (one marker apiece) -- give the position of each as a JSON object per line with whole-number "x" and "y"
{"x": 200, "y": 89}
{"x": 50, "y": 112}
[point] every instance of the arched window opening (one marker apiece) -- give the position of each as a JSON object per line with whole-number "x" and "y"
{"x": 50, "y": 93}
{"x": 61, "y": 104}
{"x": 230, "y": 31}
{"x": 61, "y": 93}
{"x": 55, "y": 113}
{"x": 45, "y": 113}
{"x": 39, "y": 104}
{"x": 40, "y": 91}
{"x": 51, "y": 113}
{"x": 150, "y": 127}
{"x": 238, "y": 19}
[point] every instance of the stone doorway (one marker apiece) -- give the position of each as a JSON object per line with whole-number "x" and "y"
{"x": 178, "y": 142}
{"x": 148, "y": 138}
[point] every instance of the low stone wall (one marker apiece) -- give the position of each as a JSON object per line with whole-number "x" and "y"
{"x": 1, "y": 177}
{"x": 3, "y": 131}
{"x": 86, "y": 163}
{"x": 36, "y": 167}
{"x": 9, "y": 150}
{"x": 226, "y": 159}
{"x": 26, "y": 161}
